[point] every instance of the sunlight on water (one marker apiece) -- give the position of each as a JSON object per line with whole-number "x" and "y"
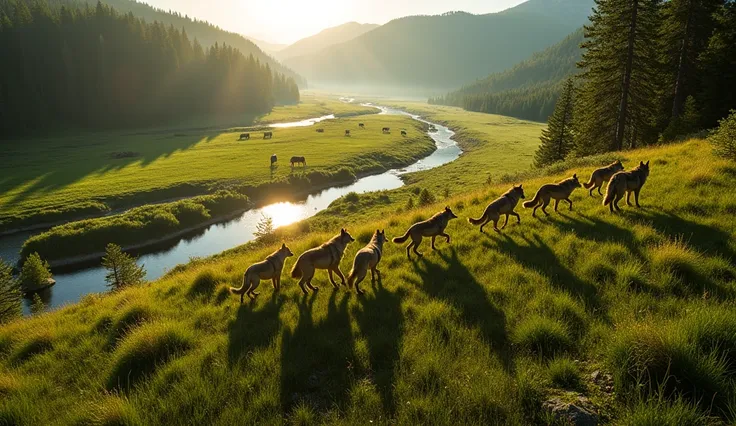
{"x": 284, "y": 213}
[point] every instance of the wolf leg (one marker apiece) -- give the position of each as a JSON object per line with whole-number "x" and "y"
{"x": 569, "y": 202}
{"x": 518, "y": 218}
{"x": 447, "y": 237}
{"x": 332, "y": 279}
{"x": 636, "y": 197}
{"x": 628, "y": 196}
{"x": 433, "y": 247}
{"x": 557, "y": 202}
{"x": 505, "y": 222}
{"x": 416, "y": 244}
{"x": 544, "y": 207}
{"x": 339, "y": 274}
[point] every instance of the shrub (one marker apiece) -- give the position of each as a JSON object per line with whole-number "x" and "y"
{"x": 10, "y": 294}
{"x": 144, "y": 350}
{"x": 35, "y": 273}
{"x": 122, "y": 268}
{"x": 543, "y": 336}
{"x": 426, "y": 198}
{"x": 264, "y": 228}
{"x": 724, "y": 137}
{"x": 204, "y": 284}
{"x": 564, "y": 373}
{"x": 410, "y": 203}
{"x": 352, "y": 197}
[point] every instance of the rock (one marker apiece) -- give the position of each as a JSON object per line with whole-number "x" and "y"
{"x": 595, "y": 375}
{"x": 579, "y": 414}
{"x": 38, "y": 287}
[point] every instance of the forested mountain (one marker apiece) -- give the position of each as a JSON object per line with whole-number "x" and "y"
{"x": 268, "y": 47}
{"x": 325, "y": 38}
{"x": 440, "y": 52}
{"x": 528, "y": 90}
{"x": 95, "y": 68}
{"x": 206, "y": 33}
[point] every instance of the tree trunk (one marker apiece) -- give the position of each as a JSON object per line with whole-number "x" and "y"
{"x": 682, "y": 63}
{"x": 626, "y": 86}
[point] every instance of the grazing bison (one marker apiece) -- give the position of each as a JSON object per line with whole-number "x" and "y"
{"x": 361, "y": 125}
{"x": 298, "y": 160}
{"x": 320, "y": 130}
{"x": 274, "y": 159}
{"x": 386, "y": 130}
{"x": 347, "y": 132}
{"x": 403, "y": 133}
{"x": 267, "y": 135}
{"x": 244, "y": 136}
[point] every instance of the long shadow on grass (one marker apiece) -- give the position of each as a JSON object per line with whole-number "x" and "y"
{"x": 705, "y": 239}
{"x": 253, "y": 329}
{"x": 535, "y": 254}
{"x": 452, "y": 281}
{"x": 94, "y": 158}
{"x": 381, "y": 321}
{"x": 317, "y": 358}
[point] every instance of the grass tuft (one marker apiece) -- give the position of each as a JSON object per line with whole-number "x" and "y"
{"x": 543, "y": 336}
{"x": 34, "y": 346}
{"x": 144, "y": 350}
{"x": 564, "y": 373}
{"x": 204, "y": 284}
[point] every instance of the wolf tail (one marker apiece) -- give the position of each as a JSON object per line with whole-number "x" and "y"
{"x": 589, "y": 184}
{"x": 402, "y": 238}
{"x": 534, "y": 201}
{"x": 296, "y": 271}
{"x": 480, "y": 220}
{"x": 242, "y": 289}
{"x": 610, "y": 192}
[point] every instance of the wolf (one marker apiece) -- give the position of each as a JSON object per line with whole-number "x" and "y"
{"x": 367, "y": 257}
{"x": 504, "y": 204}
{"x": 558, "y": 191}
{"x": 268, "y": 269}
{"x": 431, "y": 227}
{"x": 602, "y": 175}
{"x": 626, "y": 182}
{"x": 327, "y": 256}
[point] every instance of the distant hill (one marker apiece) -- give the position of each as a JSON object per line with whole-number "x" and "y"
{"x": 206, "y": 33}
{"x": 326, "y": 38}
{"x": 528, "y": 90}
{"x": 268, "y": 47}
{"x": 442, "y": 52}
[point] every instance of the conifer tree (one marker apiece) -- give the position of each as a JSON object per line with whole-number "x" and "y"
{"x": 557, "y": 138}
{"x": 619, "y": 70}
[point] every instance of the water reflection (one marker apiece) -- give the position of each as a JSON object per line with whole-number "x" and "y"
{"x": 74, "y": 283}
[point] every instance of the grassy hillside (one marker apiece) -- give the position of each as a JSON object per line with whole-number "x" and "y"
{"x": 529, "y": 90}
{"x": 481, "y": 331}
{"x": 206, "y": 33}
{"x": 416, "y": 52}
{"x": 64, "y": 177}
{"x": 325, "y": 38}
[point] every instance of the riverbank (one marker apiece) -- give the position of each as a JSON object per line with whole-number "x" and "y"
{"x": 58, "y": 180}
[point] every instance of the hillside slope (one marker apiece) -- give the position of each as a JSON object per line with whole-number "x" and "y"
{"x": 438, "y": 52}
{"x": 481, "y": 331}
{"x": 528, "y": 90}
{"x": 325, "y": 38}
{"x": 206, "y": 33}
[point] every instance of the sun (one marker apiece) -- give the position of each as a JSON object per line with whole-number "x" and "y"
{"x": 284, "y": 213}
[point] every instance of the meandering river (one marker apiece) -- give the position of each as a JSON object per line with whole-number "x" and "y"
{"x": 72, "y": 283}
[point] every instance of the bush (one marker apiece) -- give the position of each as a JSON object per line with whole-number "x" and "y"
{"x": 724, "y": 137}
{"x": 564, "y": 373}
{"x": 35, "y": 273}
{"x": 144, "y": 350}
{"x": 426, "y": 198}
{"x": 10, "y": 294}
{"x": 264, "y": 228}
{"x": 204, "y": 284}
{"x": 543, "y": 336}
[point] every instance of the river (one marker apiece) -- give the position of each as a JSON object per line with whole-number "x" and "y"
{"x": 72, "y": 283}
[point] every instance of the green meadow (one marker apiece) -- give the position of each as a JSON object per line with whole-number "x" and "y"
{"x": 66, "y": 177}
{"x": 481, "y": 331}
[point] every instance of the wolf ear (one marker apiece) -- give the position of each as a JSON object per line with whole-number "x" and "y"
{"x": 575, "y": 175}
{"x": 342, "y": 231}
{"x": 641, "y": 163}
{"x": 521, "y": 185}
{"x": 283, "y": 245}
{"x": 378, "y": 231}
{"x": 383, "y": 231}
{"x": 647, "y": 163}
{"x": 447, "y": 208}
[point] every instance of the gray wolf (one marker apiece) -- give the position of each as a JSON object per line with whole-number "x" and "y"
{"x": 626, "y": 182}
{"x": 268, "y": 269}
{"x": 367, "y": 257}
{"x": 504, "y": 204}
{"x": 431, "y": 227}
{"x": 558, "y": 191}
{"x": 602, "y": 175}
{"x": 327, "y": 256}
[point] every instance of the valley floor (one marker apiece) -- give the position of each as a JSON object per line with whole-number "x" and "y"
{"x": 481, "y": 331}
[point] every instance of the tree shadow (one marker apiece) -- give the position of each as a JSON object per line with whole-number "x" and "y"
{"x": 454, "y": 283}
{"x": 253, "y": 329}
{"x": 108, "y": 154}
{"x": 537, "y": 255}
{"x": 381, "y": 322}
{"x": 705, "y": 239}
{"x": 317, "y": 359}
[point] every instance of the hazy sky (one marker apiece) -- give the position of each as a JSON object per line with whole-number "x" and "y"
{"x": 285, "y": 21}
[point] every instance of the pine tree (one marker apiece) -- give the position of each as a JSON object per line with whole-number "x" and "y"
{"x": 557, "y": 138}
{"x": 717, "y": 95}
{"x": 35, "y": 273}
{"x": 619, "y": 70}
{"x": 10, "y": 294}
{"x": 122, "y": 268}
{"x": 264, "y": 228}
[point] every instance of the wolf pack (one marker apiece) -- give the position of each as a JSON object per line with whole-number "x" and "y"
{"x": 328, "y": 255}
